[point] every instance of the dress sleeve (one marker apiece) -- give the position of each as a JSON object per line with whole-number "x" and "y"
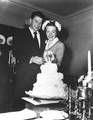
{"x": 60, "y": 53}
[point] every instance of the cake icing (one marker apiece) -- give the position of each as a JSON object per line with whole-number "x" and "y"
{"x": 49, "y": 82}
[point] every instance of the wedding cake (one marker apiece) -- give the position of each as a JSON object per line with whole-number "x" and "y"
{"x": 49, "y": 82}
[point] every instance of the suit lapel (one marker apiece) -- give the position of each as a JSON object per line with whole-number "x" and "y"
{"x": 42, "y": 39}
{"x": 31, "y": 40}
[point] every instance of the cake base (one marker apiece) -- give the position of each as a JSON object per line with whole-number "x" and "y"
{"x": 54, "y": 106}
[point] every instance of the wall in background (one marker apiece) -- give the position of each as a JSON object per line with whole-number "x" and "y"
{"x": 79, "y": 41}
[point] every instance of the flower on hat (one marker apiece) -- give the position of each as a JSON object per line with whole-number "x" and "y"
{"x": 45, "y": 24}
{"x": 56, "y": 23}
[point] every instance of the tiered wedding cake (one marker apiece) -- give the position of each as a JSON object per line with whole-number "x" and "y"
{"x": 49, "y": 82}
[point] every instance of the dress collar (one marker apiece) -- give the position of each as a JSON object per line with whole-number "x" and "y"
{"x": 49, "y": 44}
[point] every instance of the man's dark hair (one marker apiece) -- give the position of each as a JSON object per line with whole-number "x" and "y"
{"x": 37, "y": 13}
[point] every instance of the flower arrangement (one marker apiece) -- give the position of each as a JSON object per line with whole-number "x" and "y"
{"x": 49, "y": 56}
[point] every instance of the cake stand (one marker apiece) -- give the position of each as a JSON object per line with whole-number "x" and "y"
{"x": 41, "y": 104}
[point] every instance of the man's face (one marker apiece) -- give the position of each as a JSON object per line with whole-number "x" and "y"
{"x": 36, "y": 23}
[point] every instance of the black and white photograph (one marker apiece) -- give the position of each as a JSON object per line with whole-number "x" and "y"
{"x": 46, "y": 59}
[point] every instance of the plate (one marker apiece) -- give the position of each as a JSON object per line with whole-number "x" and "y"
{"x": 39, "y": 101}
{"x": 54, "y": 115}
{"x": 44, "y": 97}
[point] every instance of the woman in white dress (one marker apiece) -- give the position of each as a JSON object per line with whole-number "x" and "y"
{"x": 55, "y": 46}
{"x": 53, "y": 43}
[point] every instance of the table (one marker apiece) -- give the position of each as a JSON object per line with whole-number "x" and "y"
{"x": 40, "y": 108}
{"x": 32, "y": 112}
{"x": 24, "y": 114}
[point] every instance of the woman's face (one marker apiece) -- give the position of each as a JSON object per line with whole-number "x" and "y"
{"x": 51, "y": 32}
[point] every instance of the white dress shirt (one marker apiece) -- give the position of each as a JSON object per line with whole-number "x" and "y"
{"x": 38, "y": 35}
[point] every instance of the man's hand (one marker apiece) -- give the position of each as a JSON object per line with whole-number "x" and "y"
{"x": 36, "y": 59}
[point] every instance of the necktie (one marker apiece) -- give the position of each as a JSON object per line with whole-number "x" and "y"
{"x": 35, "y": 38}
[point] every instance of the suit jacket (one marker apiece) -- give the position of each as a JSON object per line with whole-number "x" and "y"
{"x": 25, "y": 46}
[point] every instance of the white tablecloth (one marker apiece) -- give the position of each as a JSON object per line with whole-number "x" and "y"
{"x": 18, "y": 115}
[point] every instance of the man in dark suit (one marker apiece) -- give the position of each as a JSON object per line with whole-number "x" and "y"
{"x": 28, "y": 49}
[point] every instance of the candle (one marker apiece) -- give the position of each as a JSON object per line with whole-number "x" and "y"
{"x": 89, "y": 62}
